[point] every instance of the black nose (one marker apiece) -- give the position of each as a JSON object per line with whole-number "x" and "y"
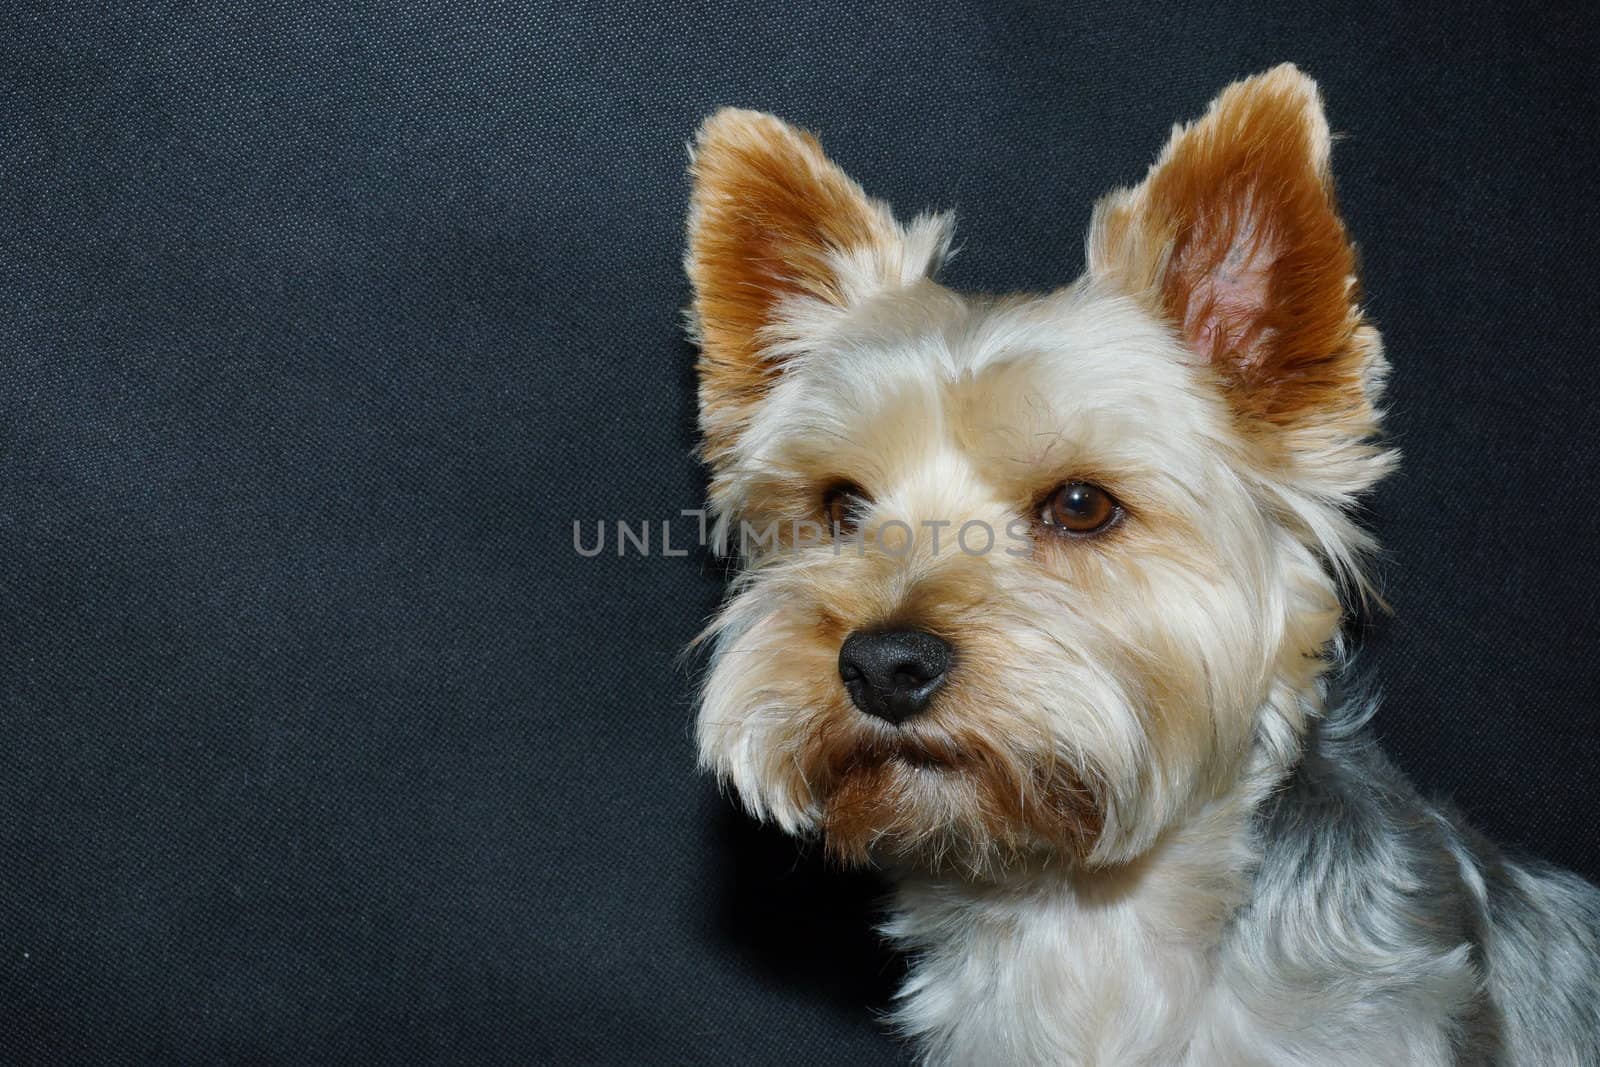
{"x": 892, "y": 674}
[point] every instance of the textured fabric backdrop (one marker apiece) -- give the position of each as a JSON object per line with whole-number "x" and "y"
{"x": 319, "y": 326}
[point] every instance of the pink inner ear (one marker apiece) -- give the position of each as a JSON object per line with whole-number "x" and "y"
{"x": 1222, "y": 279}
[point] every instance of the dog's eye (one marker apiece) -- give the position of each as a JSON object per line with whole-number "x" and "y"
{"x": 842, "y": 506}
{"x": 1080, "y": 509}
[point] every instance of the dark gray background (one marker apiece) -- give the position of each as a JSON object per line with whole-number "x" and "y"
{"x": 318, "y": 327}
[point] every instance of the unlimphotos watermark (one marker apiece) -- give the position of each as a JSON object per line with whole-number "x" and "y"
{"x": 895, "y": 538}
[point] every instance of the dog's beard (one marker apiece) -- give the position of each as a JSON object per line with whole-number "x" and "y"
{"x": 925, "y": 797}
{"x": 979, "y": 783}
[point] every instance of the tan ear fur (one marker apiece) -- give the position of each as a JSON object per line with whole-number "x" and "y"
{"x": 1234, "y": 237}
{"x": 773, "y": 220}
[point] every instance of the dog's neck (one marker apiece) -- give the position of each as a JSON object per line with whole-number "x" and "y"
{"x": 1110, "y": 966}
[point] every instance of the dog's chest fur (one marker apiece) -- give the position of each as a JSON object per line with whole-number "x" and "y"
{"x": 1341, "y": 922}
{"x": 1059, "y": 983}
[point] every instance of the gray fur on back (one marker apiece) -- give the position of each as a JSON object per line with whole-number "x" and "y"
{"x": 1368, "y": 897}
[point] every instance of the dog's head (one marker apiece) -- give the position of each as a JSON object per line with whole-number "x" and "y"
{"x": 1040, "y": 574}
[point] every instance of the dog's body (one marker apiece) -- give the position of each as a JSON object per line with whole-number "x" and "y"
{"x": 1090, "y": 734}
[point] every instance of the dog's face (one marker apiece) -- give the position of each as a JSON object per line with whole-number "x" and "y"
{"x": 1036, "y": 575}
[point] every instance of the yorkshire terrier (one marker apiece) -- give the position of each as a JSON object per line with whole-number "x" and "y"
{"x": 1040, "y": 612}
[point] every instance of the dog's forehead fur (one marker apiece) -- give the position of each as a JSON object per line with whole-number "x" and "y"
{"x": 1022, "y": 390}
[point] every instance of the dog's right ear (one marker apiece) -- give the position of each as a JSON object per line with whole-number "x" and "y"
{"x": 778, "y": 236}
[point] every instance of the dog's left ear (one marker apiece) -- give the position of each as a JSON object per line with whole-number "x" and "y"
{"x": 780, "y": 239}
{"x": 1234, "y": 238}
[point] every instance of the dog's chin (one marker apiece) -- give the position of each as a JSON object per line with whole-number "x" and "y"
{"x": 942, "y": 808}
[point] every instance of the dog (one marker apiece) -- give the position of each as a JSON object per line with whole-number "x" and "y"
{"x": 1040, "y": 611}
